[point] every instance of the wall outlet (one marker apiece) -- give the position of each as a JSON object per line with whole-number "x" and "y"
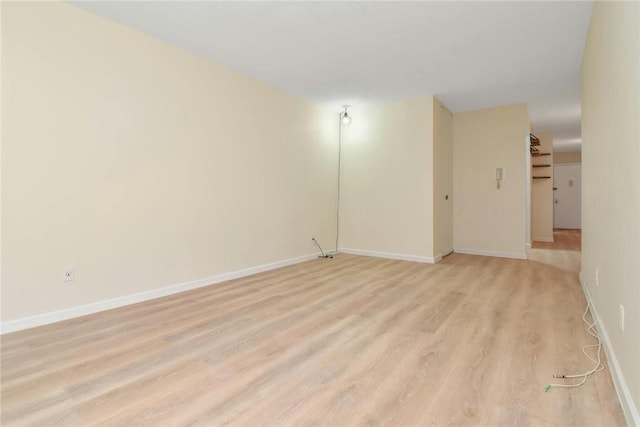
{"x": 621, "y": 317}
{"x": 68, "y": 275}
{"x": 597, "y": 284}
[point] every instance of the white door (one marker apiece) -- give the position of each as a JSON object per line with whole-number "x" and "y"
{"x": 445, "y": 181}
{"x": 567, "y": 191}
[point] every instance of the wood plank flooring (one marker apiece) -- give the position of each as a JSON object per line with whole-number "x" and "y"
{"x": 349, "y": 341}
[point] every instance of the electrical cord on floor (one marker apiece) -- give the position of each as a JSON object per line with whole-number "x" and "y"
{"x": 597, "y": 368}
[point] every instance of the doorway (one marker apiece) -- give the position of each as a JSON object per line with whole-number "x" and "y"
{"x": 567, "y": 196}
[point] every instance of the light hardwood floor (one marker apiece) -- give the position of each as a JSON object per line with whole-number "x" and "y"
{"x": 349, "y": 341}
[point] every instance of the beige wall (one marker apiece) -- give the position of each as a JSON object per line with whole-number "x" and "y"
{"x": 569, "y": 157}
{"x": 611, "y": 179}
{"x": 488, "y": 220}
{"x": 542, "y": 191}
{"x": 142, "y": 165}
{"x": 387, "y": 180}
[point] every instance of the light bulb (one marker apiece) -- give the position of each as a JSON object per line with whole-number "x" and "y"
{"x": 344, "y": 116}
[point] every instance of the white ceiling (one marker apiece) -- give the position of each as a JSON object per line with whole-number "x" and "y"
{"x": 469, "y": 54}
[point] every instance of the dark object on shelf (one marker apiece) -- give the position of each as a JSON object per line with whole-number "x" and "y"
{"x": 534, "y": 139}
{"x": 541, "y": 177}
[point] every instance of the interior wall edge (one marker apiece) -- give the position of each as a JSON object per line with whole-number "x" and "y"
{"x": 499, "y": 254}
{"x": 389, "y": 255}
{"x": 91, "y": 308}
{"x": 629, "y": 409}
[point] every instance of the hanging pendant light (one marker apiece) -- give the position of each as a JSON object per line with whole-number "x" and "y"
{"x": 345, "y": 119}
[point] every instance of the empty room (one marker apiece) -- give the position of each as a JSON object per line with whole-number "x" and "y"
{"x": 320, "y": 213}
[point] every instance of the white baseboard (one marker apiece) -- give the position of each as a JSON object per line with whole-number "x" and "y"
{"x": 403, "y": 257}
{"x": 624, "y": 395}
{"x": 543, "y": 239}
{"x": 499, "y": 254}
{"x": 82, "y": 310}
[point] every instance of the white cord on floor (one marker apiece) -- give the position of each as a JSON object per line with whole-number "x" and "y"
{"x": 597, "y": 368}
